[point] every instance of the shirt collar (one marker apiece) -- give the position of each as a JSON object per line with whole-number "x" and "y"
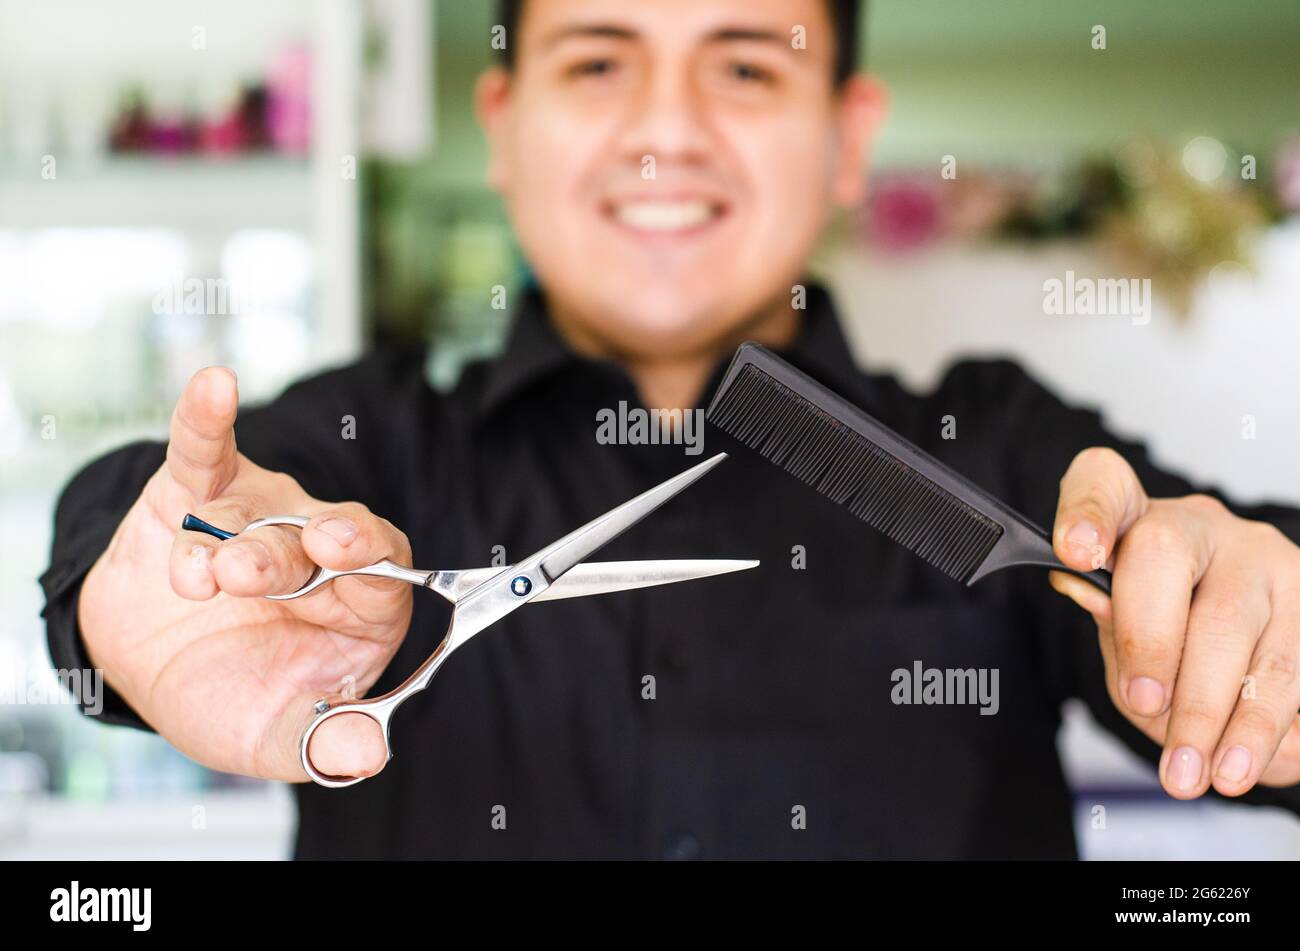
{"x": 821, "y": 350}
{"x": 534, "y": 351}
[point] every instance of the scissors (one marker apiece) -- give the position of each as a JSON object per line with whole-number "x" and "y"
{"x": 482, "y": 596}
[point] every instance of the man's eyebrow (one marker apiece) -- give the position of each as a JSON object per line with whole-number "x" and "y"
{"x": 577, "y": 30}
{"x": 731, "y": 34}
{"x": 749, "y": 35}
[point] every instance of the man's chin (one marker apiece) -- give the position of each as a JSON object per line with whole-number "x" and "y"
{"x": 662, "y": 326}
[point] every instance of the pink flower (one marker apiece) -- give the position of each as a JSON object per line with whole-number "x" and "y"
{"x": 289, "y": 100}
{"x": 903, "y": 215}
{"x": 1287, "y": 175}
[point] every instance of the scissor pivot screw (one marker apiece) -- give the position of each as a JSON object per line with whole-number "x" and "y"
{"x": 521, "y": 585}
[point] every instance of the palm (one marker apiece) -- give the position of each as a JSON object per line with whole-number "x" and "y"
{"x": 229, "y": 680}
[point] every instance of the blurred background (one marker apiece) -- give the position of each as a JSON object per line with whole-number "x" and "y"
{"x": 275, "y": 186}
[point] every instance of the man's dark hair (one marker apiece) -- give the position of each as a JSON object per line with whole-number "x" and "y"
{"x": 846, "y": 16}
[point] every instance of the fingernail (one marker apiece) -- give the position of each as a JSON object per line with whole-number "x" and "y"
{"x": 340, "y": 529}
{"x": 1146, "y": 696}
{"x": 1085, "y": 536}
{"x": 1184, "y": 769}
{"x": 255, "y": 552}
{"x": 1235, "y": 764}
{"x": 201, "y": 558}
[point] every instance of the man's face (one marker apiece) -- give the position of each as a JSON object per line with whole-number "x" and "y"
{"x": 668, "y": 166}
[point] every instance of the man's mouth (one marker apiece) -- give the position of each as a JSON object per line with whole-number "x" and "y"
{"x": 665, "y": 216}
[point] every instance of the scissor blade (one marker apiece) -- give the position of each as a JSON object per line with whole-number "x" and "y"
{"x": 528, "y": 580}
{"x": 605, "y": 577}
{"x": 574, "y": 548}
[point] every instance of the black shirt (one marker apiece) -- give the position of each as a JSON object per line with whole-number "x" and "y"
{"x": 773, "y": 691}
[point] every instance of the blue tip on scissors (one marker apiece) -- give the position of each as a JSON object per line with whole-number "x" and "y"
{"x": 192, "y": 523}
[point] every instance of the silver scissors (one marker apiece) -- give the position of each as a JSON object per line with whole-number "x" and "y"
{"x": 482, "y": 596}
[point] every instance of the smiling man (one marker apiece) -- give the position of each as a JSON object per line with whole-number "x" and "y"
{"x": 674, "y": 165}
{"x": 668, "y": 168}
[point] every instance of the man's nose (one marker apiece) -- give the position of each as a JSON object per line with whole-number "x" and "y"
{"x": 667, "y": 120}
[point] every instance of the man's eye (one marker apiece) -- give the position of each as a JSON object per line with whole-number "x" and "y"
{"x": 594, "y": 67}
{"x": 749, "y": 73}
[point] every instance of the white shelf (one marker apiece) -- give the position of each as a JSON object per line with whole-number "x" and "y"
{"x": 205, "y": 198}
{"x": 178, "y": 193}
{"x": 208, "y": 824}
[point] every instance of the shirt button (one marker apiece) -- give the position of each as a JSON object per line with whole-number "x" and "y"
{"x": 681, "y": 847}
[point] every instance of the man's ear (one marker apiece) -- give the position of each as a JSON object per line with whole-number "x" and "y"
{"x": 492, "y": 106}
{"x": 859, "y": 113}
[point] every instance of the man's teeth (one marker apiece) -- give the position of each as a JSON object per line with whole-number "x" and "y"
{"x": 664, "y": 215}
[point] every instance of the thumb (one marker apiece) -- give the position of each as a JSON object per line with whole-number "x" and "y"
{"x": 1101, "y": 497}
{"x": 201, "y": 452}
{"x": 349, "y": 744}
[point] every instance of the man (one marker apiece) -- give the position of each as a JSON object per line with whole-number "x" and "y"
{"x": 749, "y": 715}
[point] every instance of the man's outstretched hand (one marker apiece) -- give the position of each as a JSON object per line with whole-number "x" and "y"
{"x": 178, "y": 621}
{"x": 1201, "y": 633}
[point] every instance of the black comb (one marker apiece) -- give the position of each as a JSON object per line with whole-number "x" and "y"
{"x": 882, "y": 478}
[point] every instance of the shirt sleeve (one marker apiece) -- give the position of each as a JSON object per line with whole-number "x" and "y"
{"x": 325, "y": 431}
{"x": 88, "y": 512}
{"x": 1038, "y": 436}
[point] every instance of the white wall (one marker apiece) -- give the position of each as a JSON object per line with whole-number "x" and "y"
{"x": 1181, "y": 384}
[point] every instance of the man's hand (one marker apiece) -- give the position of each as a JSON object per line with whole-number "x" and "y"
{"x": 1201, "y": 634}
{"x": 178, "y": 622}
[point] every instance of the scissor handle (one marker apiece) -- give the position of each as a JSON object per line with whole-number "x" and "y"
{"x": 379, "y": 709}
{"x": 321, "y": 576}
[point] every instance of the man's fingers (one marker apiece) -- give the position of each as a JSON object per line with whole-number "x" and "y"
{"x": 201, "y": 453}
{"x": 1227, "y": 617}
{"x": 1099, "y": 605}
{"x": 190, "y": 565}
{"x": 1083, "y": 593}
{"x": 1284, "y": 769}
{"x": 1100, "y": 499}
{"x": 348, "y": 536}
{"x": 265, "y": 561}
{"x": 279, "y": 560}
{"x": 1265, "y": 709}
{"x": 1159, "y": 562}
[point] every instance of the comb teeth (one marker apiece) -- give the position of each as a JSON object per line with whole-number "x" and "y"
{"x": 851, "y": 470}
